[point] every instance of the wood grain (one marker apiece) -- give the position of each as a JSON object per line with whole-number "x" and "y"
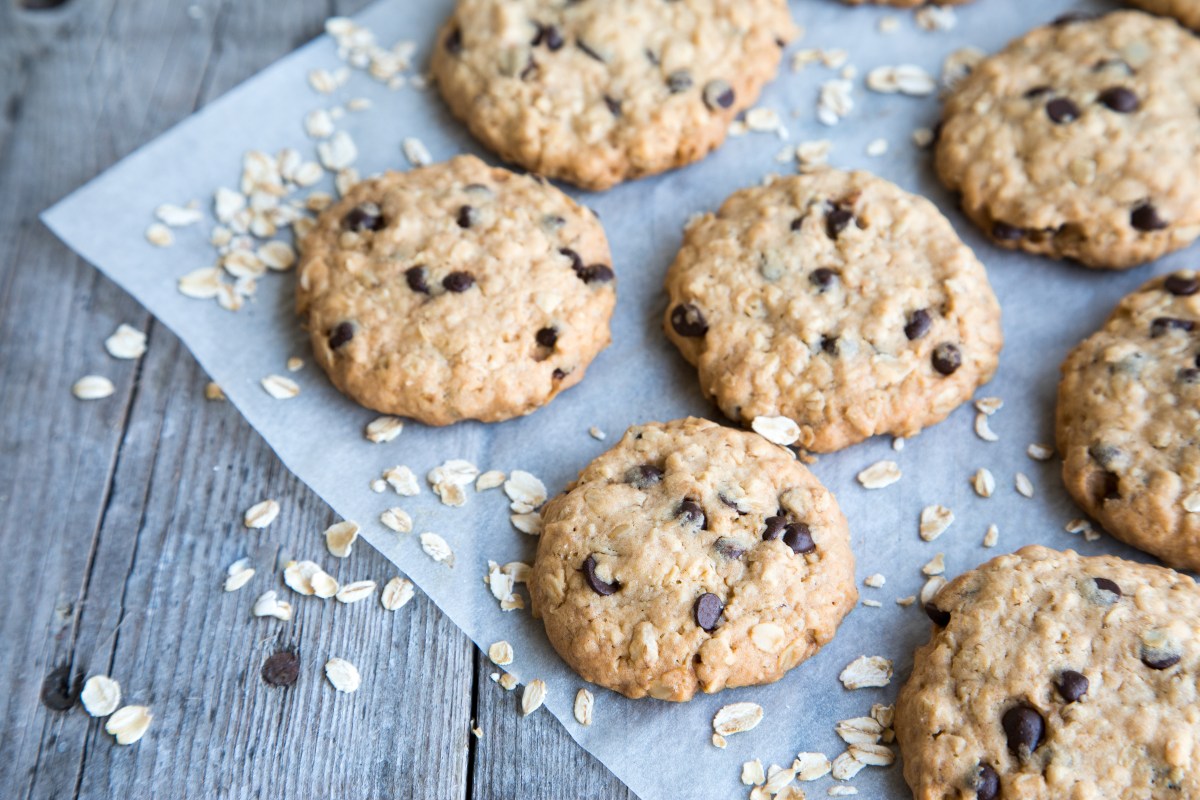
{"x": 118, "y": 517}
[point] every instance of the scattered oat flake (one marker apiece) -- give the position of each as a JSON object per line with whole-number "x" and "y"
{"x": 175, "y": 216}
{"x": 276, "y": 255}
{"x": 416, "y": 152}
{"x": 906, "y": 601}
{"x": 201, "y": 284}
{"x": 323, "y": 584}
{"x": 213, "y": 392}
{"x": 737, "y": 718}
{"x": 268, "y": 604}
{"x": 436, "y": 548}
{"x": 340, "y": 538}
{"x": 989, "y": 405}
{"x": 525, "y": 491}
{"x": 777, "y": 779}
{"x": 297, "y": 576}
{"x": 489, "y": 480}
{"x": 931, "y": 588}
{"x": 238, "y": 575}
{"x": 338, "y": 152}
{"x": 906, "y": 79}
{"x": 813, "y": 154}
{"x": 984, "y": 482}
{"x": 597, "y": 434}
{"x": 93, "y": 387}
{"x": 322, "y": 81}
{"x": 584, "y": 705}
{"x": 530, "y": 523}
{"x": 129, "y": 724}
{"x": 992, "y": 536}
{"x": 508, "y": 681}
{"x": 261, "y": 514}
{"x": 777, "y": 430}
{"x": 869, "y": 603}
{"x": 318, "y": 124}
{"x": 501, "y": 653}
{"x": 922, "y": 137}
{"x": 342, "y": 674}
{"x": 859, "y": 730}
{"x": 935, "y": 520}
{"x": 835, "y": 101}
{"x": 383, "y": 429}
{"x": 867, "y": 672}
{"x": 875, "y": 581}
{"x": 1023, "y": 484}
{"x": 1091, "y": 535}
{"x": 396, "y": 593}
{"x": 877, "y": 147}
{"x": 873, "y": 754}
{"x": 397, "y": 519}
{"x": 280, "y": 387}
{"x": 101, "y": 695}
{"x": 533, "y": 696}
{"x": 1039, "y": 452}
{"x": 936, "y": 565}
{"x": 500, "y": 583}
{"x": 718, "y": 741}
{"x": 402, "y": 480}
{"x": 879, "y": 475}
{"x": 811, "y": 766}
{"x": 889, "y": 24}
{"x": 898, "y": 443}
{"x": 841, "y": 790}
{"x": 356, "y": 591}
{"x": 126, "y": 342}
{"x": 936, "y": 18}
{"x": 983, "y": 428}
{"x": 1077, "y": 526}
{"x": 846, "y": 766}
{"x": 160, "y": 235}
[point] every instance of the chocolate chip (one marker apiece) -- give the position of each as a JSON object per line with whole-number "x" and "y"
{"x": 547, "y": 337}
{"x": 1112, "y": 486}
{"x": 718, "y": 94}
{"x": 730, "y": 548}
{"x": 679, "y": 81}
{"x": 1024, "y": 727}
{"x": 708, "y": 610}
{"x": 415, "y": 276}
{"x": 798, "y": 222}
{"x": 595, "y": 273}
{"x": 729, "y": 502}
{"x": 614, "y": 105}
{"x": 558, "y": 374}
{"x": 939, "y": 617}
{"x": 1159, "y": 659}
{"x": 550, "y": 36}
{"x": 947, "y": 358}
{"x": 1062, "y": 110}
{"x": 594, "y": 581}
{"x": 1145, "y": 218}
{"x": 1036, "y": 91}
{"x": 1181, "y": 285}
{"x": 643, "y": 476}
{"x": 342, "y": 333}
{"x": 589, "y": 52}
{"x": 454, "y": 43}
{"x": 1071, "y": 685}
{"x": 1189, "y": 375}
{"x": 57, "y": 693}
{"x": 576, "y": 261}
{"x": 774, "y": 527}
{"x": 798, "y": 536}
{"x": 1161, "y": 325}
{"x": 986, "y": 783}
{"x": 919, "y": 323}
{"x": 281, "y": 669}
{"x": 836, "y": 220}
{"x": 1003, "y": 232}
{"x": 363, "y": 217}
{"x": 1106, "y": 585}
{"x": 691, "y": 514}
{"x": 458, "y": 281}
{"x": 467, "y": 216}
{"x": 1104, "y": 454}
{"x": 829, "y": 345}
{"x": 823, "y": 278}
{"x": 1119, "y": 99}
{"x": 687, "y": 320}
{"x": 1071, "y": 17}
{"x": 529, "y": 70}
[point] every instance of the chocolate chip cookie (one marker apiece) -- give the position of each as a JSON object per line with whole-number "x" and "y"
{"x": 456, "y": 291}
{"x": 837, "y": 300}
{"x": 1186, "y": 11}
{"x": 1081, "y": 140}
{"x": 1051, "y": 676}
{"x": 691, "y": 556}
{"x": 1128, "y": 414}
{"x": 601, "y": 91}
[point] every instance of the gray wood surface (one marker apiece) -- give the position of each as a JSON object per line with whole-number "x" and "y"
{"x": 119, "y": 517}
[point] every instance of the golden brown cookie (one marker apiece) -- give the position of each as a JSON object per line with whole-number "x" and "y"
{"x": 1186, "y": 11}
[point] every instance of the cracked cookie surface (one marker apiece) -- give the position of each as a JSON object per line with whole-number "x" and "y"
{"x": 837, "y": 300}
{"x": 599, "y": 91}
{"x": 1050, "y": 675}
{"x": 456, "y": 291}
{"x": 1081, "y": 140}
{"x": 691, "y": 557}
{"x": 1128, "y": 418}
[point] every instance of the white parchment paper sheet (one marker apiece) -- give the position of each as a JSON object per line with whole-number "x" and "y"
{"x": 660, "y": 750}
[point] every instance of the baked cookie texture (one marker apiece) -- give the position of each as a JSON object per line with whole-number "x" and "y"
{"x": 1186, "y": 11}
{"x": 835, "y": 299}
{"x": 905, "y": 3}
{"x": 1050, "y": 676}
{"x": 596, "y": 92}
{"x": 456, "y": 291}
{"x": 1128, "y": 417}
{"x": 1081, "y": 140}
{"x": 690, "y": 557}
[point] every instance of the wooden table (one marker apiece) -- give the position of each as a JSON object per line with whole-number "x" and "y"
{"x": 118, "y": 517}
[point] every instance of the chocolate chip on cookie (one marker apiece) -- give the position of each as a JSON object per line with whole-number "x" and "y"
{"x": 342, "y": 333}
{"x": 708, "y": 611}
{"x": 1071, "y": 685}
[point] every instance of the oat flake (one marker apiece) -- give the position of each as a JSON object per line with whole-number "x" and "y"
{"x": 1039, "y": 452}
{"x": 397, "y": 519}
{"x": 991, "y": 537}
{"x": 811, "y": 766}
{"x": 416, "y": 152}
{"x": 983, "y": 428}
{"x": 93, "y": 387}
{"x": 436, "y": 548}
{"x": 129, "y": 724}
{"x": 101, "y": 695}
{"x": 737, "y": 718}
{"x": 989, "y": 405}
{"x": 752, "y": 773}
{"x": 584, "y": 705}
{"x": 931, "y": 588}
{"x": 984, "y": 482}
{"x": 342, "y": 674}
{"x": 501, "y": 653}
{"x": 1023, "y": 484}
{"x": 340, "y": 538}
{"x": 384, "y": 429}
{"x": 268, "y": 604}
{"x": 489, "y": 480}
{"x": 201, "y": 284}
{"x": 356, "y": 591}
{"x": 323, "y": 584}
{"x": 396, "y": 593}
{"x": 533, "y": 696}
{"x": 859, "y": 730}
{"x": 935, "y": 520}
{"x": 530, "y": 523}
{"x": 160, "y": 235}
{"x": 279, "y": 387}
{"x": 879, "y": 475}
{"x": 238, "y": 578}
{"x": 936, "y": 565}
{"x": 525, "y": 491}
{"x": 846, "y": 766}
{"x": 403, "y": 481}
{"x": 867, "y": 672}
{"x": 126, "y": 342}
{"x": 875, "y": 581}
{"x": 260, "y": 515}
{"x": 777, "y": 430}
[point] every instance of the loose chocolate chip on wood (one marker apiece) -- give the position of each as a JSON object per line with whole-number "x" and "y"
{"x": 1071, "y": 685}
{"x": 1119, "y": 99}
{"x": 918, "y": 324}
{"x": 281, "y": 669}
{"x": 598, "y": 585}
{"x": 708, "y": 610}
{"x": 1003, "y": 232}
{"x": 823, "y": 278}
{"x": 1062, "y": 110}
{"x": 687, "y": 320}
{"x": 57, "y": 693}
{"x": 774, "y": 527}
{"x": 986, "y": 783}
{"x": 1145, "y": 218}
{"x": 798, "y": 536}
{"x": 946, "y": 358}
{"x": 718, "y": 94}
{"x": 415, "y": 277}
{"x": 547, "y": 337}
{"x": 939, "y": 617}
{"x": 340, "y": 335}
{"x": 730, "y": 548}
{"x": 458, "y": 281}
{"x": 363, "y": 217}
{"x": 690, "y": 513}
{"x": 1024, "y": 727}
{"x": 614, "y": 105}
{"x": 467, "y": 216}
{"x": 679, "y": 81}
{"x": 1161, "y": 325}
{"x": 1181, "y": 285}
{"x": 837, "y": 220}
{"x": 643, "y": 476}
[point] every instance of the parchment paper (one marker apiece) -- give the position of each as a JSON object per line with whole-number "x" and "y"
{"x": 660, "y": 750}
